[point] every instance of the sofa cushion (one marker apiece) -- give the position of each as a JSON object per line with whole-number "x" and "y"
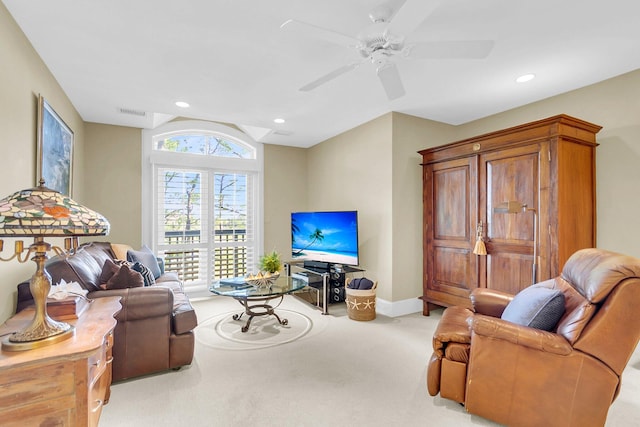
{"x": 87, "y": 268}
{"x": 147, "y": 258}
{"x": 124, "y": 278}
{"x": 537, "y": 307}
{"x": 169, "y": 276}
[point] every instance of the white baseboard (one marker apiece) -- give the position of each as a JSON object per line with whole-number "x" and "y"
{"x": 398, "y": 308}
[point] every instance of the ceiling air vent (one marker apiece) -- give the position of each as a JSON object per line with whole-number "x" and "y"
{"x": 282, "y": 133}
{"x": 133, "y": 112}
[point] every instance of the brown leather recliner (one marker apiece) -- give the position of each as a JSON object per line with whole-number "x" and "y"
{"x": 521, "y": 376}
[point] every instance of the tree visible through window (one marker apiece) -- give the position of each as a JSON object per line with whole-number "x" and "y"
{"x": 182, "y": 201}
{"x": 204, "y": 144}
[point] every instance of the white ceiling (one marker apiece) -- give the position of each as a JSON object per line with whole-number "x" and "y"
{"x": 231, "y": 61}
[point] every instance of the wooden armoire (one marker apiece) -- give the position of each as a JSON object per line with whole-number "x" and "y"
{"x": 547, "y": 165}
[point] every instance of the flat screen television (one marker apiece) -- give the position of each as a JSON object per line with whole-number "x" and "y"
{"x": 330, "y": 237}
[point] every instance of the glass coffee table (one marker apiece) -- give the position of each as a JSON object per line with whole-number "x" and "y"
{"x": 256, "y": 299}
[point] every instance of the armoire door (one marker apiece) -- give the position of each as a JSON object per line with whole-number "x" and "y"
{"x": 512, "y": 174}
{"x": 450, "y": 203}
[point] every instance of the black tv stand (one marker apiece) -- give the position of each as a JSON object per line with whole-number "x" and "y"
{"x": 329, "y": 288}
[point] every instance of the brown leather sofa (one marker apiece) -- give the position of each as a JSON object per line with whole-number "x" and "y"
{"x": 154, "y": 329}
{"x": 521, "y": 376}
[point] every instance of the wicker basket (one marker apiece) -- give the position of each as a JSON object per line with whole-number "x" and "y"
{"x": 361, "y": 303}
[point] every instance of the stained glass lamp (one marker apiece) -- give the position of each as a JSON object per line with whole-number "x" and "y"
{"x": 39, "y": 212}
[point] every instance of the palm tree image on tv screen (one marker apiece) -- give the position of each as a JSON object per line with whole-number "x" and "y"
{"x": 325, "y": 236}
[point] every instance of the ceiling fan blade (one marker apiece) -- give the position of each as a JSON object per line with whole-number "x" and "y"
{"x": 411, "y": 14}
{"x": 312, "y": 31}
{"x": 327, "y": 77}
{"x": 390, "y": 79}
{"x": 472, "y": 49}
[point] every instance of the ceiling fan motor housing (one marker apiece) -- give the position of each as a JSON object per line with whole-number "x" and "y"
{"x": 377, "y": 37}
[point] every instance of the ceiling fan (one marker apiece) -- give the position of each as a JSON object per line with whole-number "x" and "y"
{"x": 383, "y": 42}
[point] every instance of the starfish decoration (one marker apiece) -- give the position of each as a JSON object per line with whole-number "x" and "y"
{"x": 369, "y": 304}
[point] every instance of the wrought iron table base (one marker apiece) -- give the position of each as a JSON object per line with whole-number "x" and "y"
{"x": 265, "y": 310}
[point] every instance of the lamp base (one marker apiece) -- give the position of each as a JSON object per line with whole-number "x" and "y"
{"x": 55, "y": 332}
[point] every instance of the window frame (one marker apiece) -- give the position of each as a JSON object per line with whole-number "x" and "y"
{"x": 153, "y": 159}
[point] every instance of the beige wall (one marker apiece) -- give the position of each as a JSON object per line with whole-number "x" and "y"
{"x": 351, "y": 172}
{"x": 410, "y": 134}
{"x": 23, "y": 76}
{"x": 285, "y": 191}
{"x": 114, "y": 176}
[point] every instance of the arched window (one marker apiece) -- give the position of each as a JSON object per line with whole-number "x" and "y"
{"x": 203, "y": 206}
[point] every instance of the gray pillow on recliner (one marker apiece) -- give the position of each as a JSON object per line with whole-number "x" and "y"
{"x": 537, "y": 307}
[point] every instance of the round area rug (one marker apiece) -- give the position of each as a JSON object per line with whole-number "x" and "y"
{"x": 223, "y": 332}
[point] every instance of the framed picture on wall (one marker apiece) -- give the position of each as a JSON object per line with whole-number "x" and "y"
{"x": 55, "y": 150}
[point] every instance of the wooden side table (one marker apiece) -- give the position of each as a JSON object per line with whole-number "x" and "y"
{"x": 63, "y": 384}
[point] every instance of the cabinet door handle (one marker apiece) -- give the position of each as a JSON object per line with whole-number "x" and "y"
{"x": 98, "y": 405}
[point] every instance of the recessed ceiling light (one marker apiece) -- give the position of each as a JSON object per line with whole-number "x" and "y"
{"x": 182, "y": 104}
{"x": 525, "y": 78}
{"x": 278, "y": 120}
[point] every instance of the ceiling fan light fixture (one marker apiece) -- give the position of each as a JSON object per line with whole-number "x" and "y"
{"x": 525, "y": 78}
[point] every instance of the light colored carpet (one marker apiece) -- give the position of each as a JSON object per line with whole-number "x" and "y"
{"x": 340, "y": 373}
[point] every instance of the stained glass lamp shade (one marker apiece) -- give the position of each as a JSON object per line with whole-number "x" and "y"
{"x": 40, "y": 212}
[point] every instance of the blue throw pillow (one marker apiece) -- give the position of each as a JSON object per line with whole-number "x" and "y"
{"x": 537, "y": 307}
{"x": 145, "y": 257}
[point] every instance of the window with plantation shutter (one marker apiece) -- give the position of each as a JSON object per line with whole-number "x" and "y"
{"x": 205, "y": 203}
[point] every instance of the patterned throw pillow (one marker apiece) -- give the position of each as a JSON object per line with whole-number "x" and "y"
{"x": 149, "y": 280}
